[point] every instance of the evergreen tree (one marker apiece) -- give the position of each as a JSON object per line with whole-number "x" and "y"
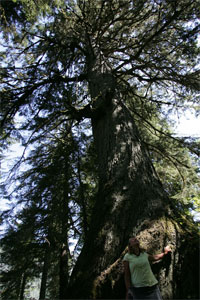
{"x": 50, "y": 193}
{"x": 121, "y": 64}
{"x": 19, "y": 265}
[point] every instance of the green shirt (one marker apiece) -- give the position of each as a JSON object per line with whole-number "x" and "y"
{"x": 140, "y": 269}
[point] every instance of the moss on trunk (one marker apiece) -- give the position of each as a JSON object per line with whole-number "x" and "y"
{"x": 177, "y": 273}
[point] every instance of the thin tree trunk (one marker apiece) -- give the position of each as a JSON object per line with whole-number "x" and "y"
{"x": 64, "y": 271}
{"x": 23, "y": 285}
{"x": 64, "y": 251}
{"x": 45, "y": 272}
{"x": 82, "y": 199}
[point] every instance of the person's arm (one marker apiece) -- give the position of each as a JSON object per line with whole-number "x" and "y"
{"x": 161, "y": 255}
{"x": 127, "y": 274}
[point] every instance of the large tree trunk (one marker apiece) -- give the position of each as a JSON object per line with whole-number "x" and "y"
{"x": 130, "y": 201}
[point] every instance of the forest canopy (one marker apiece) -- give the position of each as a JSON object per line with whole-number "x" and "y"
{"x": 89, "y": 88}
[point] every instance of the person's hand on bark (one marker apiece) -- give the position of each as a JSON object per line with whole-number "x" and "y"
{"x": 167, "y": 249}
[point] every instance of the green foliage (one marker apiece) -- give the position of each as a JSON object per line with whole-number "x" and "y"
{"x": 56, "y": 194}
{"x": 17, "y": 259}
{"x": 51, "y": 52}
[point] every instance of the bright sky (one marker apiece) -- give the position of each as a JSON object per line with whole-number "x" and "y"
{"x": 188, "y": 125}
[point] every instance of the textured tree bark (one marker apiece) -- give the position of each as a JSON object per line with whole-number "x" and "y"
{"x": 130, "y": 201}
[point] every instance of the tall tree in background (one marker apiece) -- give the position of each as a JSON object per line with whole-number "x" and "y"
{"x": 121, "y": 64}
{"x": 49, "y": 200}
{"x": 19, "y": 250}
